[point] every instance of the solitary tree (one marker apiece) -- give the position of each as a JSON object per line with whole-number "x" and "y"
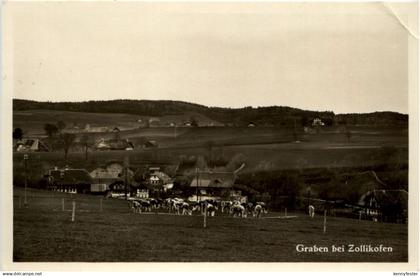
{"x": 51, "y": 130}
{"x": 194, "y": 122}
{"x": 17, "y": 133}
{"x": 67, "y": 140}
{"x": 86, "y": 141}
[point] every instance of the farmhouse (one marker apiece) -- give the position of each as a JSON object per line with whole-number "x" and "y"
{"x": 154, "y": 121}
{"x": 114, "y": 144}
{"x": 25, "y": 145}
{"x": 318, "y": 122}
{"x": 215, "y": 185}
{"x": 110, "y": 178}
{"x": 386, "y": 205}
{"x": 69, "y": 180}
{"x": 88, "y": 128}
{"x": 159, "y": 178}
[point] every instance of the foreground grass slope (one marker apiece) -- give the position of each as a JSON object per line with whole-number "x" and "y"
{"x": 44, "y": 233}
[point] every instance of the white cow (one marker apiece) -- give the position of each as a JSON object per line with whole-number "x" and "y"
{"x": 238, "y": 211}
{"x": 311, "y": 210}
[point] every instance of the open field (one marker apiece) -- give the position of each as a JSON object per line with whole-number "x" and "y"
{"x": 33, "y": 121}
{"x": 43, "y": 232}
{"x": 279, "y": 156}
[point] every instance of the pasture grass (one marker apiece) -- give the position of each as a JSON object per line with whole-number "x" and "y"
{"x": 43, "y": 233}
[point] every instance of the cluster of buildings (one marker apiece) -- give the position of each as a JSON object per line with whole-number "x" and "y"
{"x": 116, "y": 180}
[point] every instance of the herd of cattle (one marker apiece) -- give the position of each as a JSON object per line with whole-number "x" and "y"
{"x": 208, "y": 207}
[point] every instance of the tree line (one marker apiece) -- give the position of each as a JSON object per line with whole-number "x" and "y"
{"x": 260, "y": 116}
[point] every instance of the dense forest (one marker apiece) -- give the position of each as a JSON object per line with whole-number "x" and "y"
{"x": 260, "y": 116}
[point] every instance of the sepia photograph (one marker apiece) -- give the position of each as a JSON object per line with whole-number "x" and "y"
{"x": 210, "y": 132}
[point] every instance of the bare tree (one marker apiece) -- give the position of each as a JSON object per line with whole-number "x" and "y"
{"x": 17, "y": 133}
{"x": 67, "y": 140}
{"x": 86, "y": 141}
{"x": 51, "y": 130}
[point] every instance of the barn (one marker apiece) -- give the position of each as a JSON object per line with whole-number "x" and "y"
{"x": 215, "y": 185}
{"x": 114, "y": 144}
{"x": 69, "y": 180}
{"x": 109, "y": 178}
{"x": 28, "y": 145}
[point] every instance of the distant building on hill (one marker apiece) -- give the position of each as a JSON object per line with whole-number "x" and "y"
{"x": 88, "y": 128}
{"x": 114, "y": 144}
{"x": 150, "y": 144}
{"x": 317, "y": 122}
{"x": 29, "y": 145}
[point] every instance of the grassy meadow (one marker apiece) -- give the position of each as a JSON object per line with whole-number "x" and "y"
{"x": 45, "y": 233}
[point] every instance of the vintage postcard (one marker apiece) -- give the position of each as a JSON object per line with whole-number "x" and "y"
{"x": 200, "y": 135}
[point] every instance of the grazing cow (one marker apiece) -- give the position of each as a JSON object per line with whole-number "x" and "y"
{"x": 248, "y": 207}
{"x": 238, "y": 211}
{"x": 311, "y": 210}
{"x": 185, "y": 208}
{"x": 258, "y": 209}
{"x": 211, "y": 210}
{"x": 135, "y": 206}
{"x": 155, "y": 203}
{"x": 226, "y": 205}
{"x": 144, "y": 205}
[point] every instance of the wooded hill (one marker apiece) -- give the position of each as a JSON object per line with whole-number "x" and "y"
{"x": 260, "y": 116}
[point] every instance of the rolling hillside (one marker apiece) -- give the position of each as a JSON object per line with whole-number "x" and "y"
{"x": 168, "y": 111}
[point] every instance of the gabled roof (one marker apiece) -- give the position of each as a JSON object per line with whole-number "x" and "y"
{"x": 150, "y": 143}
{"x": 214, "y": 180}
{"x": 366, "y": 181}
{"x": 31, "y": 145}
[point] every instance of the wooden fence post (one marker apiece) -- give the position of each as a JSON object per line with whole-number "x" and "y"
{"x": 205, "y": 217}
{"x": 73, "y": 214}
{"x": 325, "y": 221}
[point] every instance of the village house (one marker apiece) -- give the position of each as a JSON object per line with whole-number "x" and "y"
{"x": 69, "y": 180}
{"x": 215, "y": 185}
{"x": 111, "y": 178}
{"x": 29, "y": 145}
{"x": 154, "y": 181}
{"x": 88, "y": 128}
{"x": 114, "y": 144}
{"x": 153, "y": 122}
{"x": 317, "y": 122}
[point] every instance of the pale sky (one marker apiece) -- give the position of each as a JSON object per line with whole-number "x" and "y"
{"x": 339, "y": 57}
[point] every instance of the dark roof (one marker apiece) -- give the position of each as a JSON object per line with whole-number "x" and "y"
{"x": 214, "y": 180}
{"x": 71, "y": 176}
{"x": 150, "y": 143}
{"x": 392, "y": 196}
{"x": 366, "y": 181}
